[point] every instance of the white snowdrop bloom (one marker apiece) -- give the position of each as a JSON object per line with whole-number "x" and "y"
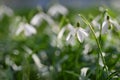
{"x": 26, "y": 28}
{"x": 38, "y": 18}
{"x": 60, "y": 34}
{"x": 4, "y": 10}
{"x": 37, "y": 61}
{"x": 80, "y": 32}
{"x": 115, "y": 24}
{"x": 83, "y": 74}
{"x": 107, "y": 23}
{"x": 67, "y": 27}
{"x": 57, "y": 9}
{"x": 55, "y": 28}
{"x": 16, "y": 68}
{"x": 34, "y": 56}
{"x": 95, "y": 22}
{"x": 11, "y": 63}
{"x": 87, "y": 49}
{"x": 84, "y": 71}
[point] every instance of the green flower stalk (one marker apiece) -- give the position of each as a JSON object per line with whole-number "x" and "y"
{"x": 97, "y": 41}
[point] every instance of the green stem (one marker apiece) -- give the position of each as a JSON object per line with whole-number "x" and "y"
{"x": 62, "y": 21}
{"x": 98, "y": 69}
{"x": 98, "y": 44}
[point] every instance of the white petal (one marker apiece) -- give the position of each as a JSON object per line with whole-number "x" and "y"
{"x": 35, "y": 58}
{"x": 84, "y": 32}
{"x": 115, "y": 23}
{"x": 6, "y": 10}
{"x": 95, "y": 21}
{"x": 96, "y": 24}
{"x": 29, "y": 30}
{"x": 61, "y": 33}
{"x": 37, "y": 19}
{"x": 79, "y": 36}
{"x": 84, "y": 71}
{"x": 20, "y": 28}
{"x": 70, "y": 27}
{"x": 70, "y": 39}
{"x": 105, "y": 26}
{"x": 48, "y": 19}
{"x": 57, "y": 9}
{"x": 69, "y": 36}
{"x": 37, "y": 61}
{"x": 101, "y": 62}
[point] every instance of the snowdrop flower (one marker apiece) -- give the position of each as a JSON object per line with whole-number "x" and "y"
{"x": 115, "y": 23}
{"x": 34, "y": 56}
{"x": 84, "y": 71}
{"x": 38, "y": 62}
{"x": 95, "y": 22}
{"x": 26, "y": 28}
{"x": 80, "y": 32}
{"x": 4, "y": 10}
{"x": 67, "y": 27}
{"x": 38, "y": 18}
{"x": 11, "y": 63}
{"x": 107, "y": 23}
{"x": 57, "y": 9}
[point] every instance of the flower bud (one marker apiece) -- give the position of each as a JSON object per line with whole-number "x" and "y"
{"x": 78, "y": 24}
{"x": 107, "y": 17}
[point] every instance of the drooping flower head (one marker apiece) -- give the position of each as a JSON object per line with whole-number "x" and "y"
{"x": 38, "y": 18}
{"x": 95, "y": 22}
{"x": 26, "y": 28}
{"x": 81, "y": 33}
{"x": 78, "y": 31}
{"x": 108, "y": 23}
{"x": 4, "y": 10}
{"x": 57, "y": 9}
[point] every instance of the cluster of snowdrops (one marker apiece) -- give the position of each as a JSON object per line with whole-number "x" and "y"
{"x": 56, "y": 43}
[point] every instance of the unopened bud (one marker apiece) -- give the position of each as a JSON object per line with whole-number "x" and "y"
{"x": 78, "y": 24}
{"x": 107, "y": 17}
